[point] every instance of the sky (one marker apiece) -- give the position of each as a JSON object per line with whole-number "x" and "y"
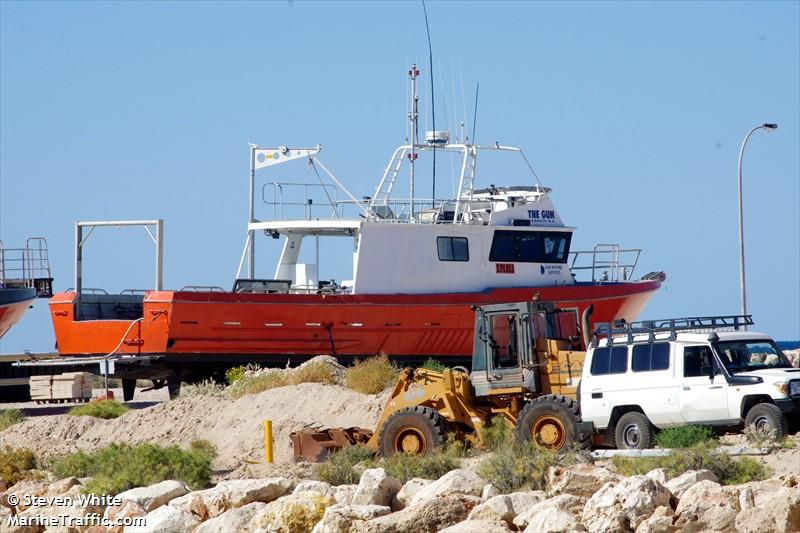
{"x": 632, "y": 112}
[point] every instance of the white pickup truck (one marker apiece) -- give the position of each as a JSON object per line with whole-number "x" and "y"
{"x": 705, "y": 370}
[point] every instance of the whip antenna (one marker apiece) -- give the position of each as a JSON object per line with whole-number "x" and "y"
{"x": 433, "y": 99}
{"x": 475, "y": 112}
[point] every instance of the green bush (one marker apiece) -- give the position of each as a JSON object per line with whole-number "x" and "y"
{"x": 498, "y": 434}
{"x": 371, "y": 375}
{"x": 404, "y": 466}
{"x": 103, "y": 409}
{"x": 16, "y": 464}
{"x": 338, "y": 469}
{"x": 119, "y": 467}
{"x": 684, "y": 436}
{"x": 521, "y": 465}
{"x": 232, "y": 375}
{"x": 435, "y": 365}
{"x": 9, "y": 417}
{"x": 699, "y": 456}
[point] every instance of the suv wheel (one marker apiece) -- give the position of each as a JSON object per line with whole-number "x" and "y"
{"x": 766, "y": 417}
{"x": 633, "y": 432}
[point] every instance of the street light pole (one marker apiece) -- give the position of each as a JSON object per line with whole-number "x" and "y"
{"x": 742, "y": 290}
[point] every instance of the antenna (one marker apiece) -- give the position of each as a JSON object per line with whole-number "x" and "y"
{"x": 475, "y": 113}
{"x": 433, "y": 99}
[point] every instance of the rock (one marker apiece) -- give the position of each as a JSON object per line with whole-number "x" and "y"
{"x": 658, "y": 522}
{"x": 553, "y": 520}
{"x": 316, "y": 486}
{"x": 494, "y": 509}
{"x": 165, "y": 519}
{"x": 461, "y": 481}
{"x": 376, "y": 487}
{"x": 780, "y": 513}
{"x": 678, "y": 485}
{"x": 235, "y": 519}
{"x": 522, "y": 501}
{"x": 118, "y": 513}
{"x": 25, "y": 487}
{"x": 478, "y": 526}
{"x": 340, "y": 518}
{"x": 408, "y": 491}
{"x": 343, "y": 494}
{"x": 506, "y": 507}
{"x": 579, "y": 480}
{"x": 659, "y": 474}
{"x": 154, "y": 496}
{"x": 624, "y": 505}
{"x": 293, "y": 513}
{"x": 489, "y": 491}
{"x": 706, "y": 506}
{"x": 563, "y": 502}
{"x": 63, "y": 485}
{"x": 210, "y": 503}
{"x": 430, "y": 514}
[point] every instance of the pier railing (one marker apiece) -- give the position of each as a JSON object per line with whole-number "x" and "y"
{"x": 606, "y": 262}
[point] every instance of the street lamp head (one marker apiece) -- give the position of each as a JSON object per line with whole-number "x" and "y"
{"x": 769, "y": 126}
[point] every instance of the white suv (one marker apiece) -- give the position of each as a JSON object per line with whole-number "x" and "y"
{"x": 658, "y": 374}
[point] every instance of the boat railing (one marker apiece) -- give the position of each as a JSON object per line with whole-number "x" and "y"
{"x": 27, "y": 267}
{"x": 606, "y": 262}
{"x": 308, "y": 201}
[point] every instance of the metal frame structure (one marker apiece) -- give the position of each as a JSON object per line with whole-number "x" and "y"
{"x": 671, "y": 326}
{"x": 80, "y": 240}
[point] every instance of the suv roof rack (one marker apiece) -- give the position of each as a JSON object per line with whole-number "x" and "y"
{"x": 670, "y": 325}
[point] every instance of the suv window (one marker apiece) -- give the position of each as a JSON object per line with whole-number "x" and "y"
{"x": 697, "y": 361}
{"x": 651, "y": 356}
{"x": 613, "y": 361}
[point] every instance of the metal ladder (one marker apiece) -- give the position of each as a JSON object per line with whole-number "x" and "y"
{"x": 384, "y": 190}
{"x": 466, "y": 183}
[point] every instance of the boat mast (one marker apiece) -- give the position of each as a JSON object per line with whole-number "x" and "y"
{"x": 413, "y": 117}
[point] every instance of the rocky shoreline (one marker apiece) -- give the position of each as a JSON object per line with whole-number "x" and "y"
{"x": 582, "y": 497}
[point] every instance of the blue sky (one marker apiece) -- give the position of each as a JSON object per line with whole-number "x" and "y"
{"x": 632, "y": 112}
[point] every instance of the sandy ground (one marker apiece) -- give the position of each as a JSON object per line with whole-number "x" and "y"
{"x": 235, "y": 427}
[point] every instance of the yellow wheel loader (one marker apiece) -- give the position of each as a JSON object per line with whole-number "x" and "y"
{"x": 526, "y": 365}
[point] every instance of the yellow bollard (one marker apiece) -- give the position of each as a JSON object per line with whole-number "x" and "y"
{"x": 268, "y": 441}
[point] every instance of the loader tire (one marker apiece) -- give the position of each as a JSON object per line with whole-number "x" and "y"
{"x": 551, "y": 423}
{"x": 415, "y": 430}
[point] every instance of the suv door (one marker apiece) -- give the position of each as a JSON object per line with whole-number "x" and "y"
{"x": 702, "y": 399}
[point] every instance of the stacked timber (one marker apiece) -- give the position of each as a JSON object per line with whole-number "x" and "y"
{"x": 41, "y": 388}
{"x": 63, "y": 387}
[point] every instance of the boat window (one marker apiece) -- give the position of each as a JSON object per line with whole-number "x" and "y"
{"x": 613, "y": 361}
{"x": 530, "y": 246}
{"x": 452, "y": 248}
{"x": 652, "y": 356}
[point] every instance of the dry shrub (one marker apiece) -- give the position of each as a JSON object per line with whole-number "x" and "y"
{"x": 255, "y": 383}
{"x": 371, "y": 375}
{"x": 312, "y": 373}
{"x": 16, "y": 464}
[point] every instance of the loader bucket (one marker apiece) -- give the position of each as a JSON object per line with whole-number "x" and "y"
{"x": 316, "y": 445}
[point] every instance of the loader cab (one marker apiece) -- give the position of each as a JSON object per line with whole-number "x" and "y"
{"x": 504, "y": 350}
